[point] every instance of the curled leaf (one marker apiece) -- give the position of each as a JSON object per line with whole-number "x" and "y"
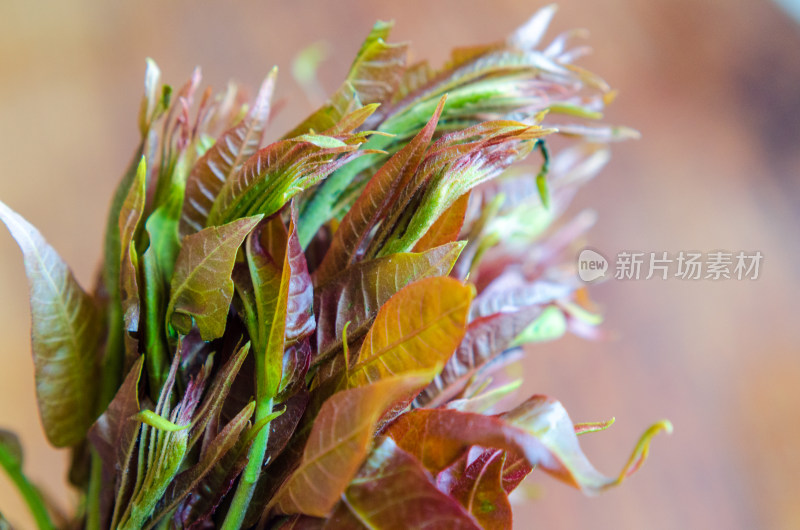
{"x": 130, "y": 221}
{"x": 584, "y": 428}
{"x": 540, "y": 429}
{"x": 158, "y": 422}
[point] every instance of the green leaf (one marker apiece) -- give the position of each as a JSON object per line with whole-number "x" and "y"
{"x": 202, "y": 287}
{"x": 320, "y": 140}
{"x": 158, "y": 422}
{"x": 339, "y": 442}
{"x": 224, "y": 159}
{"x": 343, "y": 102}
{"x": 159, "y": 264}
{"x": 66, "y": 331}
{"x": 373, "y": 76}
{"x": 356, "y": 294}
{"x": 457, "y": 162}
{"x": 271, "y": 275}
{"x": 417, "y": 329}
{"x": 161, "y": 450}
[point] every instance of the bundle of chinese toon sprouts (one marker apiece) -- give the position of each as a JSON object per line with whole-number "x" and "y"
{"x": 315, "y": 332}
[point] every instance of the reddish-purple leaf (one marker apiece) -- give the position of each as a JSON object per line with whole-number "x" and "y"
{"x": 478, "y": 485}
{"x": 114, "y": 432}
{"x": 484, "y": 340}
{"x": 539, "y": 428}
{"x": 338, "y": 443}
{"x": 211, "y": 407}
{"x": 296, "y": 362}
{"x": 300, "y": 302}
{"x": 358, "y": 293}
{"x": 392, "y": 491}
{"x": 114, "y": 435}
{"x": 283, "y": 427}
{"x": 224, "y": 159}
{"x": 373, "y": 202}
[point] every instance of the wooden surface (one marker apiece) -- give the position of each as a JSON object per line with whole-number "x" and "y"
{"x": 711, "y": 84}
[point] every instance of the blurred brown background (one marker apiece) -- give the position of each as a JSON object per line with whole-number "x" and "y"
{"x": 713, "y": 85}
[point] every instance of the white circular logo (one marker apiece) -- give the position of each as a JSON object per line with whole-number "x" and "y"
{"x": 591, "y": 265}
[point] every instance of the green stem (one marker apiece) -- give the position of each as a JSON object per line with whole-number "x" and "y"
{"x": 112, "y": 369}
{"x": 255, "y": 458}
{"x": 156, "y": 357}
{"x": 29, "y": 493}
{"x": 93, "y": 493}
{"x": 114, "y": 351}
